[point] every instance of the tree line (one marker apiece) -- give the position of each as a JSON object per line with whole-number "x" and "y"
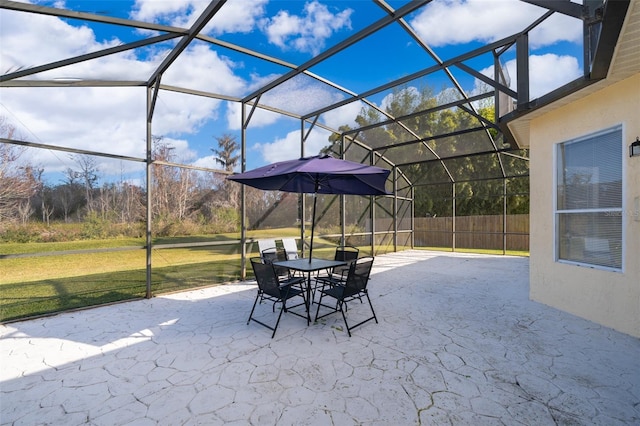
{"x": 184, "y": 200}
{"x": 439, "y": 168}
{"x": 187, "y": 202}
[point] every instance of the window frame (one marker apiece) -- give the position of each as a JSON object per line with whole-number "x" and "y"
{"x": 612, "y": 210}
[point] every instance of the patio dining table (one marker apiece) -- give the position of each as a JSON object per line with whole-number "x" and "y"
{"x": 307, "y": 266}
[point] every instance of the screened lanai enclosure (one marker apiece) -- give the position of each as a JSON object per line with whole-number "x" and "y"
{"x": 119, "y": 122}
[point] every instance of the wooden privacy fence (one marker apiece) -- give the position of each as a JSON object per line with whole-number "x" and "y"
{"x": 494, "y": 232}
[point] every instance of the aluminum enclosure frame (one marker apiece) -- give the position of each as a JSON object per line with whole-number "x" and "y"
{"x": 601, "y": 23}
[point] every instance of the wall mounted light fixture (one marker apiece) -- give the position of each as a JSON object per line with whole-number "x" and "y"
{"x": 634, "y": 148}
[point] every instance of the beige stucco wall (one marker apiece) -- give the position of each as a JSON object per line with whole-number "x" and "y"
{"x": 608, "y": 298}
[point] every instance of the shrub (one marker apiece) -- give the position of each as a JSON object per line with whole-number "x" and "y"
{"x": 94, "y": 227}
{"x": 15, "y": 233}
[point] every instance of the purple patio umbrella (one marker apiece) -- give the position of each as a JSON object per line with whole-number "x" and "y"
{"x": 321, "y": 174}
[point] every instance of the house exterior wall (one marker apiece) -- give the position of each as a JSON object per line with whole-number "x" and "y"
{"x": 605, "y": 297}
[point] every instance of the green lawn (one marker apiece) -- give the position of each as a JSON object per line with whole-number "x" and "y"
{"x": 53, "y": 282}
{"x": 37, "y": 285}
{"x": 61, "y": 277}
{"x": 38, "y": 297}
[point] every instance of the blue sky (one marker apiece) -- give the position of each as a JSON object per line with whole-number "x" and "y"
{"x": 112, "y": 119}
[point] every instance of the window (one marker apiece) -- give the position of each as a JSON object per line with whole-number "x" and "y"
{"x": 589, "y": 200}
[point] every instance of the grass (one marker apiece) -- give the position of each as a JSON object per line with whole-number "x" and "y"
{"x": 50, "y": 282}
{"x": 31, "y": 248}
{"x": 20, "y": 300}
{"x": 38, "y": 285}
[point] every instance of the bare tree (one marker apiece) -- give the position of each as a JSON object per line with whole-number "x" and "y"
{"x": 69, "y": 194}
{"x": 47, "y": 212}
{"x": 182, "y": 196}
{"x": 129, "y": 201}
{"x": 25, "y": 210}
{"x": 162, "y": 178}
{"x": 88, "y": 176}
{"x": 42, "y": 188}
{"x": 17, "y": 180}
{"x": 132, "y": 203}
{"x": 172, "y": 186}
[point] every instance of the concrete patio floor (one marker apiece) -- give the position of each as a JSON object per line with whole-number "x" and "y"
{"x": 458, "y": 342}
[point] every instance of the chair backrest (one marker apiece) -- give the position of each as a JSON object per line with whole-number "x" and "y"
{"x": 358, "y": 276}
{"x": 346, "y": 253}
{"x": 268, "y": 244}
{"x": 266, "y": 277}
{"x": 290, "y": 247}
{"x": 275, "y": 254}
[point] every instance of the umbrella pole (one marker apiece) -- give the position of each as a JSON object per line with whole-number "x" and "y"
{"x": 313, "y": 225}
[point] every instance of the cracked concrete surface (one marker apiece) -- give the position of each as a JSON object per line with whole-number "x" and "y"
{"x": 458, "y": 343}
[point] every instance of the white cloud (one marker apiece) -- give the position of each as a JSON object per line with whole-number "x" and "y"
{"x": 300, "y": 95}
{"x": 411, "y": 92}
{"x": 33, "y": 40}
{"x": 110, "y": 119}
{"x": 201, "y": 68}
{"x": 257, "y": 81}
{"x": 234, "y": 16}
{"x": 345, "y": 115}
{"x": 546, "y": 73}
{"x": 237, "y": 16}
{"x": 209, "y": 161}
{"x": 181, "y": 150}
{"x": 167, "y": 12}
{"x": 450, "y": 22}
{"x": 260, "y": 117}
{"x": 177, "y": 113}
{"x": 557, "y": 28}
{"x": 88, "y": 118}
{"x": 307, "y": 32}
{"x": 288, "y": 148}
{"x": 30, "y": 40}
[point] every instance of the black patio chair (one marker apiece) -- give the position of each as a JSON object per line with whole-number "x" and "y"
{"x": 275, "y": 289}
{"x": 337, "y": 275}
{"x": 354, "y": 287}
{"x": 274, "y": 254}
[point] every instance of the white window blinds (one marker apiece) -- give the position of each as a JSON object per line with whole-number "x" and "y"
{"x": 589, "y": 200}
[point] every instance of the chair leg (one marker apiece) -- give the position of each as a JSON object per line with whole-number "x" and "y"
{"x": 319, "y": 303}
{"x": 361, "y": 322}
{"x": 254, "y": 307}
{"x": 307, "y": 306}
{"x": 318, "y": 310}
{"x": 275, "y": 327}
{"x": 372, "y": 311}
{"x": 344, "y": 317}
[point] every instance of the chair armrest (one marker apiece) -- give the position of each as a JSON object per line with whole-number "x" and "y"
{"x": 291, "y": 281}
